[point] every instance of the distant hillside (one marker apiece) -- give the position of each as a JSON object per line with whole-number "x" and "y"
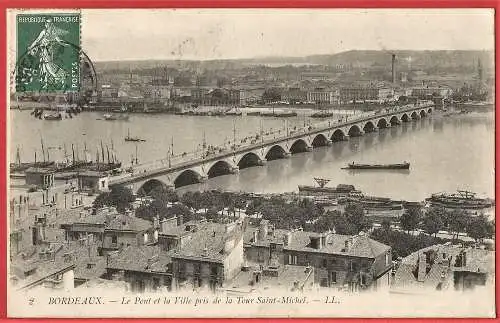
{"x": 357, "y": 58}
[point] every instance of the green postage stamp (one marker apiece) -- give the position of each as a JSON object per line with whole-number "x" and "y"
{"x": 48, "y": 52}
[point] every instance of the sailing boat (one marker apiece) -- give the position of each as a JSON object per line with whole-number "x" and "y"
{"x": 135, "y": 139}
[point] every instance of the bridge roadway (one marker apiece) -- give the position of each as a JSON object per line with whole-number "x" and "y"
{"x": 199, "y": 167}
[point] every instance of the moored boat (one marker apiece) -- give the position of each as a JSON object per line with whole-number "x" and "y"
{"x": 460, "y": 200}
{"x": 353, "y": 165}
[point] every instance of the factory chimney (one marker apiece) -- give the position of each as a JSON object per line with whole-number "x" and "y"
{"x": 393, "y": 68}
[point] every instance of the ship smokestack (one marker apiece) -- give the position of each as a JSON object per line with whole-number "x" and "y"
{"x": 393, "y": 68}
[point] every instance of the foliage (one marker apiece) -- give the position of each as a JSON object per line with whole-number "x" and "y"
{"x": 433, "y": 221}
{"x": 403, "y": 243}
{"x": 410, "y": 219}
{"x": 272, "y": 95}
{"x": 480, "y": 228}
{"x": 120, "y": 197}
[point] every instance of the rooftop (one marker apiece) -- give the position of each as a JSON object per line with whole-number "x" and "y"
{"x": 360, "y": 245}
{"x": 286, "y": 277}
{"x": 111, "y": 219}
{"x": 140, "y": 258}
{"x": 438, "y": 261}
{"x": 207, "y": 240}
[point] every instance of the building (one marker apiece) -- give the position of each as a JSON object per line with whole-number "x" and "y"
{"x": 317, "y": 76}
{"x": 256, "y": 278}
{"x": 323, "y": 96}
{"x": 366, "y": 93}
{"x": 40, "y": 177}
{"x": 42, "y": 268}
{"x": 204, "y": 254}
{"x": 427, "y": 91}
{"x": 143, "y": 268}
{"x": 110, "y": 229}
{"x": 445, "y": 267}
{"x": 349, "y": 263}
{"x": 92, "y": 181}
{"x": 294, "y": 95}
{"x": 217, "y": 96}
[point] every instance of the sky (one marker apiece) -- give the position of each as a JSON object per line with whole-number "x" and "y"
{"x": 140, "y": 34}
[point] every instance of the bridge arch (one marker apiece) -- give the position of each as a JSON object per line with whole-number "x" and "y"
{"x": 354, "y": 131}
{"x": 369, "y": 127}
{"x": 299, "y": 146}
{"x": 423, "y": 113}
{"x": 414, "y": 115}
{"x": 429, "y": 111}
{"x": 150, "y": 186}
{"x": 394, "y": 121}
{"x": 338, "y": 135}
{"x": 248, "y": 160}
{"x": 405, "y": 118}
{"x": 382, "y": 123}
{"x": 188, "y": 177}
{"x": 320, "y": 140}
{"x": 219, "y": 168}
{"x": 275, "y": 152}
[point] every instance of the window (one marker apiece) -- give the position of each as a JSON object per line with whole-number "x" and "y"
{"x": 323, "y": 282}
{"x": 114, "y": 239}
{"x": 354, "y": 266}
{"x": 324, "y": 263}
{"x": 333, "y": 277}
{"x": 213, "y": 270}
{"x": 90, "y": 266}
{"x": 292, "y": 260}
{"x": 156, "y": 283}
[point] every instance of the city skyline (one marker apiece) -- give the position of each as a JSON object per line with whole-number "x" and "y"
{"x": 234, "y": 34}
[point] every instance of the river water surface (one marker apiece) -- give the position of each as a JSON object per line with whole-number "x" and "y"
{"x": 446, "y": 153}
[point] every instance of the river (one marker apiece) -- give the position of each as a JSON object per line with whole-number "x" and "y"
{"x": 446, "y": 153}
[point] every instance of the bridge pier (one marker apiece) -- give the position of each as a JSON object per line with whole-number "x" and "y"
{"x": 234, "y": 170}
{"x": 287, "y": 155}
{"x": 309, "y": 148}
{"x": 202, "y": 178}
{"x": 329, "y": 142}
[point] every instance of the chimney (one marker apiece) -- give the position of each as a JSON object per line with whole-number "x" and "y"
{"x": 393, "y": 68}
{"x": 347, "y": 245}
{"x": 156, "y": 222}
{"x": 263, "y": 229}
{"x": 287, "y": 238}
{"x": 256, "y": 236}
{"x": 422, "y": 267}
{"x": 180, "y": 220}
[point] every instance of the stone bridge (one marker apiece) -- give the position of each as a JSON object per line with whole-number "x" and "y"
{"x": 200, "y": 169}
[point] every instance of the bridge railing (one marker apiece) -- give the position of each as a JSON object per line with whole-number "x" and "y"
{"x": 195, "y": 157}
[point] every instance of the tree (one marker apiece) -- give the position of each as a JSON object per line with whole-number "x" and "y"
{"x": 410, "y": 219}
{"x": 458, "y": 220}
{"x": 480, "y": 228}
{"x": 271, "y": 95}
{"x": 120, "y": 197}
{"x": 433, "y": 222}
{"x": 355, "y": 215}
{"x": 386, "y": 224}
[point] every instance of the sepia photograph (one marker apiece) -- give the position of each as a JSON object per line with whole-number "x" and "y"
{"x": 251, "y": 163}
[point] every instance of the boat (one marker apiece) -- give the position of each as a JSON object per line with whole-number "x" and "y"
{"x": 253, "y": 113}
{"x": 134, "y": 139}
{"x": 112, "y": 117}
{"x": 341, "y": 190}
{"x": 460, "y": 200}
{"x": 52, "y": 116}
{"x": 322, "y": 114}
{"x": 404, "y": 165}
{"x": 376, "y": 203}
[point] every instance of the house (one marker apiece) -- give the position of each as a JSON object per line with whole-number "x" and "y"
{"x": 40, "y": 177}
{"x": 285, "y": 278}
{"x": 444, "y": 267}
{"x": 111, "y": 229}
{"x": 40, "y": 267}
{"x": 205, "y": 254}
{"x": 92, "y": 181}
{"x": 343, "y": 262}
{"x": 143, "y": 268}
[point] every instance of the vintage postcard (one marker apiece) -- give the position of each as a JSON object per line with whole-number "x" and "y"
{"x": 251, "y": 163}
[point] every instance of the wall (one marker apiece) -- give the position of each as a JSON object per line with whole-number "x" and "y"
{"x": 234, "y": 260}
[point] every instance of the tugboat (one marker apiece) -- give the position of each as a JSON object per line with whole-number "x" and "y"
{"x": 52, "y": 116}
{"x": 404, "y": 165}
{"x": 111, "y": 117}
{"x": 134, "y": 139}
